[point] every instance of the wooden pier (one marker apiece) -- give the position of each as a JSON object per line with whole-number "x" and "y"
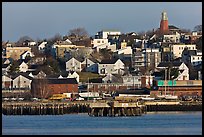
{"x": 38, "y": 108}
{"x": 115, "y": 108}
{"x": 96, "y": 108}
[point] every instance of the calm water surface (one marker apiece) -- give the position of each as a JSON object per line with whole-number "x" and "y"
{"x": 154, "y": 123}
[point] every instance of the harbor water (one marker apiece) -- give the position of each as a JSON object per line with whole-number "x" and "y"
{"x": 152, "y": 123}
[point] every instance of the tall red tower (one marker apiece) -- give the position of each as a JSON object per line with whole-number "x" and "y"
{"x": 164, "y": 25}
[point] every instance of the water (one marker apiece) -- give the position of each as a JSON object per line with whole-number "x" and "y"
{"x": 153, "y": 123}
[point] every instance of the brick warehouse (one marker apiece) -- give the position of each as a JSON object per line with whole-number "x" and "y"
{"x": 48, "y": 87}
{"x": 179, "y": 88}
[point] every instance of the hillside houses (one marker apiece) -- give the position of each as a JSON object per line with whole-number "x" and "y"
{"x": 108, "y": 62}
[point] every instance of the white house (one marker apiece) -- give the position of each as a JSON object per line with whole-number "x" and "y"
{"x": 42, "y": 45}
{"x": 104, "y": 33}
{"x": 127, "y": 50}
{"x": 89, "y": 65}
{"x": 177, "y": 49}
{"x": 182, "y": 69}
{"x": 97, "y": 42}
{"x": 175, "y": 38}
{"x": 31, "y": 43}
{"x": 184, "y": 73}
{"x": 113, "y": 66}
{"x": 22, "y": 81}
{"x": 26, "y": 54}
{"x": 23, "y": 67}
{"x": 73, "y": 65}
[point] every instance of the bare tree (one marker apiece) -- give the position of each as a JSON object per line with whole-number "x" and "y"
{"x": 198, "y": 28}
{"x": 79, "y": 33}
{"x": 39, "y": 88}
{"x": 22, "y": 40}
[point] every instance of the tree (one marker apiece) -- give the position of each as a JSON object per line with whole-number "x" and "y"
{"x": 198, "y": 28}
{"x": 56, "y": 37}
{"x": 79, "y": 33}
{"x": 198, "y": 43}
{"x": 14, "y": 67}
{"x": 53, "y": 63}
{"x": 22, "y": 40}
{"x": 39, "y": 88}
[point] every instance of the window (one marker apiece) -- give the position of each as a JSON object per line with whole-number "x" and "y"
{"x": 98, "y": 41}
{"x": 24, "y": 81}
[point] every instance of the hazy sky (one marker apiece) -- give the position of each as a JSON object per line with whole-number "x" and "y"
{"x": 44, "y": 20}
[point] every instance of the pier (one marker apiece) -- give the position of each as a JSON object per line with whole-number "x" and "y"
{"x": 96, "y": 108}
{"x": 38, "y": 108}
{"x": 115, "y": 108}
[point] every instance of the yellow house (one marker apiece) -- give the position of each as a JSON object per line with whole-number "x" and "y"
{"x": 123, "y": 44}
{"x": 15, "y": 52}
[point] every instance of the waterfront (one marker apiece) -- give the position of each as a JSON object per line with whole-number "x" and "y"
{"x": 153, "y": 123}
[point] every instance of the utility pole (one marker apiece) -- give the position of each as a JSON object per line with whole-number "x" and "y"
{"x": 165, "y": 83}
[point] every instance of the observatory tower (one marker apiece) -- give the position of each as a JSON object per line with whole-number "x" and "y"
{"x": 164, "y": 26}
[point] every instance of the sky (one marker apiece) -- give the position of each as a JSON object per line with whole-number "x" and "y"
{"x": 41, "y": 20}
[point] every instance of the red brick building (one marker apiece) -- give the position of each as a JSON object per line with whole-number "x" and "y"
{"x": 181, "y": 88}
{"x": 45, "y": 88}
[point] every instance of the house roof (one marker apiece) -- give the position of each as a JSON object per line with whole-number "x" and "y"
{"x": 34, "y": 66}
{"x": 172, "y": 27}
{"x": 5, "y": 65}
{"x": 62, "y": 81}
{"x": 93, "y": 60}
{"x": 167, "y": 64}
{"x": 108, "y": 61}
{"x": 22, "y": 74}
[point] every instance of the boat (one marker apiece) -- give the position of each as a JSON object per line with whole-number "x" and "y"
{"x": 167, "y": 96}
{"x": 147, "y": 98}
{"x": 171, "y": 97}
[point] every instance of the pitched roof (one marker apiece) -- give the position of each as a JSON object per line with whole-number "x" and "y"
{"x": 172, "y": 27}
{"x": 5, "y": 65}
{"x": 168, "y": 64}
{"x": 108, "y": 61}
{"x": 62, "y": 81}
{"x": 24, "y": 74}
